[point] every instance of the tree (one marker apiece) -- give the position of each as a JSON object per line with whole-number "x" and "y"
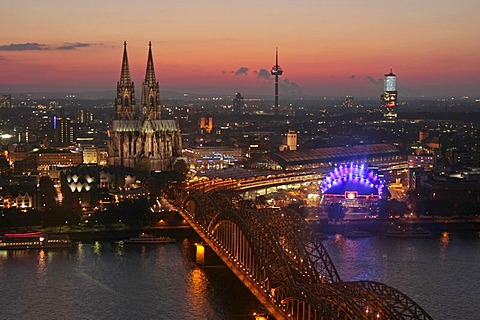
{"x": 436, "y": 208}
{"x": 336, "y": 212}
{"x": 134, "y": 213}
{"x": 181, "y": 166}
{"x": 415, "y": 201}
{"x": 47, "y": 191}
{"x": 298, "y": 208}
{"x": 261, "y": 200}
{"x": 468, "y": 208}
{"x": 142, "y": 167}
{"x": 393, "y": 207}
{"x": 58, "y": 216}
{"x": 14, "y": 218}
{"x": 4, "y": 166}
{"x": 157, "y": 183}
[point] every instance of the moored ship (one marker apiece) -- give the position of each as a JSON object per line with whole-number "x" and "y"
{"x": 357, "y": 234}
{"x": 144, "y": 238}
{"x": 33, "y": 240}
{"x": 408, "y": 232}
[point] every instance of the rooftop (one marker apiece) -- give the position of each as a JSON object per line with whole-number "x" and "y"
{"x": 333, "y": 154}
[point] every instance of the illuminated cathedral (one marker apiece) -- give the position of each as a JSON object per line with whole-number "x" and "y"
{"x": 139, "y": 137}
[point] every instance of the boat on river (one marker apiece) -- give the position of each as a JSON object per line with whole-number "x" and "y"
{"x": 33, "y": 240}
{"x": 402, "y": 231}
{"x": 321, "y": 236}
{"x": 145, "y": 238}
{"x": 357, "y": 234}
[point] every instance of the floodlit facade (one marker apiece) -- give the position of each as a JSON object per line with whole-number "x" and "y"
{"x": 389, "y": 97}
{"x": 140, "y": 137}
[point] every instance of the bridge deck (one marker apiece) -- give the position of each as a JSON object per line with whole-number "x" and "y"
{"x": 259, "y": 293}
{"x": 276, "y": 255}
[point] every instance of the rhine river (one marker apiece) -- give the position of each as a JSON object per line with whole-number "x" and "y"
{"x": 112, "y": 280}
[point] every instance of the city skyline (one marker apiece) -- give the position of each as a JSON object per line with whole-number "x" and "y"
{"x": 327, "y": 49}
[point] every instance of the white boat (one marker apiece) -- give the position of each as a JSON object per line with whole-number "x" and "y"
{"x": 33, "y": 240}
{"x": 144, "y": 238}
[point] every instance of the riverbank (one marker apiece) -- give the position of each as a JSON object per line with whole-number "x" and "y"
{"x": 373, "y": 226}
{"x": 112, "y": 234}
{"x": 379, "y": 226}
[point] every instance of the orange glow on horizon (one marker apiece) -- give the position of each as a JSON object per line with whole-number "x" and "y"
{"x": 432, "y": 46}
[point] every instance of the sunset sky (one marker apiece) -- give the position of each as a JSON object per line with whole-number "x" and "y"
{"x": 341, "y": 47}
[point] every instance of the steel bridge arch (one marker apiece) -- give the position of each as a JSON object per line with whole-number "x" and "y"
{"x": 349, "y": 300}
{"x": 306, "y": 302}
{"x": 262, "y": 242}
{"x": 303, "y": 244}
{"x": 259, "y": 236}
{"x": 266, "y": 265}
{"x": 389, "y": 298}
{"x": 279, "y": 252}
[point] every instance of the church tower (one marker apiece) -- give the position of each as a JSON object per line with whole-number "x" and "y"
{"x": 125, "y": 101}
{"x": 141, "y": 140}
{"x": 150, "y": 101}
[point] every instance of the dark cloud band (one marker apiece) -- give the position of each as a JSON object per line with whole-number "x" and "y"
{"x": 241, "y": 70}
{"x": 263, "y": 74}
{"x": 34, "y": 46}
{"x": 73, "y": 46}
{"x": 23, "y": 46}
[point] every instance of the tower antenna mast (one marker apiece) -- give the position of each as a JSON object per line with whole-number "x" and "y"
{"x": 276, "y": 71}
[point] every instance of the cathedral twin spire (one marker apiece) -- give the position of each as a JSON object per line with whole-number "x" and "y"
{"x": 125, "y": 79}
{"x": 150, "y": 98}
{"x": 150, "y": 74}
{"x": 150, "y": 91}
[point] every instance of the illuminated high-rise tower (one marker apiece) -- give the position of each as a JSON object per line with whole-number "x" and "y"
{"x": 238, "y": 103}
{"x": 276, "y": 71}
{"x": 292, "y": 140}
{"x": 389, "y": 97}
{"x": 63, "y": 130}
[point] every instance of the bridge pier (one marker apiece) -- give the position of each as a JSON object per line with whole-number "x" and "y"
{"x": 200, "y": 253}
{"x": 259, "y": 316}
{"x": 206, "y": 256}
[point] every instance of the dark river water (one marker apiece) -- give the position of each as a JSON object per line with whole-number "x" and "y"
{"x": 112, "y": 280}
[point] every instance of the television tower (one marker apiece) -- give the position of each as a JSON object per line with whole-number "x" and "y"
{"x": 276, "y": 71}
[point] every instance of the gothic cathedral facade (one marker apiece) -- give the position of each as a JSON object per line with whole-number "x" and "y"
{"x": 139, "y": 137}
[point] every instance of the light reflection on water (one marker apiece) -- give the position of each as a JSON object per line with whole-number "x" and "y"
{"x": 80, "y": 251}
{"x": 196, "y": 292}
{"x": 444, "y": 241}
{"x": 42, "y": 265}
{"x": 97, "y": 248}
{"x": 110, "y": 280}
{"x": 120, "y": 249}
{"x": 439, "y": 273}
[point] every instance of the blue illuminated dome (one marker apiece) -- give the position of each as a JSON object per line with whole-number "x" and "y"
{"x": 352, "y": 178}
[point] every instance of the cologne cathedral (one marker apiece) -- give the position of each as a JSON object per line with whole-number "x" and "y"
{"x": 138, "y": 137}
